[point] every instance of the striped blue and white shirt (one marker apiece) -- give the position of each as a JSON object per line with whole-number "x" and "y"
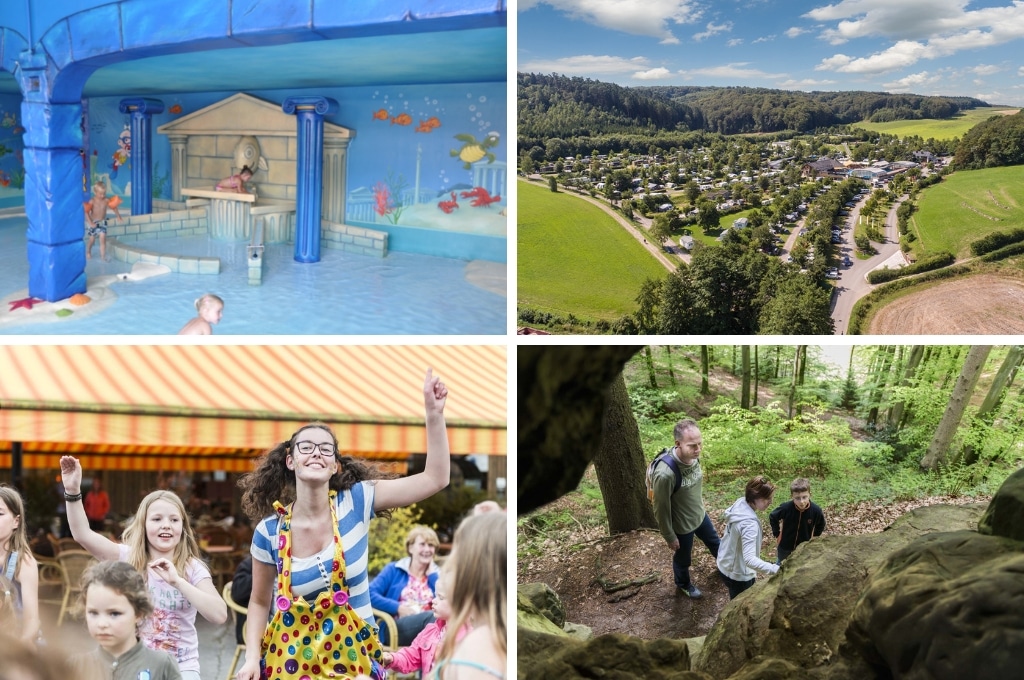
{"x": 354, "y": 510}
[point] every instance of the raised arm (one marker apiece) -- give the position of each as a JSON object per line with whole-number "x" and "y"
{"x": 393, "y": 493}
{"x": 100, "y": 547}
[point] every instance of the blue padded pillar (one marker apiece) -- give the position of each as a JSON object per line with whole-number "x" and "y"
{"x": 310, "y": 112}
{"x": 142, "y": 111}
{"x": 53, "y": 185}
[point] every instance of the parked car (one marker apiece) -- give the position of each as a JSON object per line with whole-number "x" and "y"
{"x": 847, "y": 262}
{"x": 832, "y": 273}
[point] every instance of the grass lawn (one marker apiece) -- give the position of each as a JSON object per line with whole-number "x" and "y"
{"x": 575, "y": 258}
{"x": 957, "y": 211}
{"x": 939, "y": 129}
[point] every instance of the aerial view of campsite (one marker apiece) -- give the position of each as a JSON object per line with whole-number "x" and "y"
{"x": 759, "y": 167}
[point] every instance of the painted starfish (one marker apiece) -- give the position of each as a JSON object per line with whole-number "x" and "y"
{"x": 24, "y": 302}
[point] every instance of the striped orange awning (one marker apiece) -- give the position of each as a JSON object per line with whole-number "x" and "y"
{"x": 196, "y": 406}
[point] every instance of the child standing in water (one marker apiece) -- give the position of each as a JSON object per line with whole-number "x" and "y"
{"x": 236, "y": 183}
{"x": 96, "y": 217}
{"x": 18, "y": 565}
{"x": 116, "y": 603}
{"x": 210, "y": 309}
{"x": 160, "y": 543}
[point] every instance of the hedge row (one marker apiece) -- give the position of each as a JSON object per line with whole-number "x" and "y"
{"x": 995, "y": 241}
{"x": 925, "y": 264}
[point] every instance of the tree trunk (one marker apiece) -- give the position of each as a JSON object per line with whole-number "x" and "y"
{"x": 745, "y": 381}
{"x": 994, "y": 399}
{"x": 896, "y": 411}
{"x": 797, "y": 371}
{"x": 704, "y": 360}
{"x": 671, "y": 372}
{"x": 938, "y": 450}
{"x": 757, "y": 376}
{"x": 778, "y": 351}
{"x": 884, "y": 364}
{"x": 800, "y": 380}
{"x": 649, "y": 360}
{"x": 620, "y": 466}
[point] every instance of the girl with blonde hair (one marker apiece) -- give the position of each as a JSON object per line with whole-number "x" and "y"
{"x": 478, "y": 600}
{"x": 17, "y": 563}
{"x": 160, "y": 543}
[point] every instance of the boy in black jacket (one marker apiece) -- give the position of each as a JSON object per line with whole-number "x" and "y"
{"x": 801, "y": 519}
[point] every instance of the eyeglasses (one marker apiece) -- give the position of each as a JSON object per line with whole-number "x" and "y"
{"x": 308, "y": 447}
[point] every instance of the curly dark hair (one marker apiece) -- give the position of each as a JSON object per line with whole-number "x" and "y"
{"x": 273, "y": 481}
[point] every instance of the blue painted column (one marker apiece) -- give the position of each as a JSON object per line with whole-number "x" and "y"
{"x": 142, "y": 111}
{"x": 53, "y": 185}
{"x": 310, "y": 112}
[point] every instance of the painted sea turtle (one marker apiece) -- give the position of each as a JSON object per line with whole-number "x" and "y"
{"x": 472, "y": 150}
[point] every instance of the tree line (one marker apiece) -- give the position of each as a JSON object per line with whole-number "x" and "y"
{"x": 573, "y": 107}
{"x": 992, "y": 143}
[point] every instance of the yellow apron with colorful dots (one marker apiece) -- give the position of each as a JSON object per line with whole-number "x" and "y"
{"x": 323, "y": 639}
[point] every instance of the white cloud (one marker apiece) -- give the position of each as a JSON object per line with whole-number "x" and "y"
{"x": 658, "y": 73}
{"x": 796, "y": 31}
{"x": 713, "y": 29}
{"x": 914, "y": 81}
{"x": 985, "y": 69}
{"x": 734, "y": 42}
{"x": 585, "y": 64}
{"x": 919, "y": 29}
{"x": 652, "y": 19}
{"x": 731, "y": 71}
{"x": 764, "y": 38}
{"x": 1020, "y": 71}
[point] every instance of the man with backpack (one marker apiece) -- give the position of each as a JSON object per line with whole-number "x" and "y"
{"x": 676, "y": 481}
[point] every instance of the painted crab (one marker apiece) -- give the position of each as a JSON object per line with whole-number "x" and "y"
{"x": 473, "y": 151}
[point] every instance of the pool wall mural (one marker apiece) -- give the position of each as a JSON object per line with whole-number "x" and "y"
{"x": 426, "y": 165}
{"x": 417, "y": 88}
{"x": 12, "y": 150}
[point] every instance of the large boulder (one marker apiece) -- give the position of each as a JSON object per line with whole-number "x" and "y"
{"x": 1005, "y": 514}
{"x": 544, "y": 600}
{"x": 947, "y": 606}
{"x": 611, "y": 657}
{"x": 529, "y": 618}
{"x": 801, "y": 614}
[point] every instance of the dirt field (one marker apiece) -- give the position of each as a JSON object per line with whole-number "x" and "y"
{"x": 985, "y": 304}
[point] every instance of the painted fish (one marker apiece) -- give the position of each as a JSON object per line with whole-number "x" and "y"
{"x": 401, "y": 119}
{"x": 247, "y": 154}
{"x": 175, "y": 108}
{"x": 428, "y": 125}
{"x": 381, "y": 114}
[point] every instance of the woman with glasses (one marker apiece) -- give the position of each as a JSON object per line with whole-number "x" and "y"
{"x": 310, "y": 556}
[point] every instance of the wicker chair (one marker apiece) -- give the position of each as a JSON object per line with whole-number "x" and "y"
{"x": 236, "y": 609}
{"x": 73, "y": 564}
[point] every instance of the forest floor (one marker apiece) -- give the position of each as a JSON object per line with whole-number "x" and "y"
{"x": 984, "y": 304}
{"x": 575, "y": 564}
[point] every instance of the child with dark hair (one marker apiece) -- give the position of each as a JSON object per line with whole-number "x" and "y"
{"x": 739, "y": 554}
{"x": 800, "y": 519}
{"x": 236, "y": 183}
{"x": 116, "y": 602}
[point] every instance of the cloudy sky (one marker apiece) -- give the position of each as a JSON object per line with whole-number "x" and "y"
{"x": 953, "y": 47}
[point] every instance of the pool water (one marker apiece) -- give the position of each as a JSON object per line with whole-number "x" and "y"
{"x": 343, "y": 294}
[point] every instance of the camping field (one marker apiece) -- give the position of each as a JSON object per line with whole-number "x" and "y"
{"x": 934, "y": 128}
{"x": 573, "y": 258}
{"x": 967, "y": 205}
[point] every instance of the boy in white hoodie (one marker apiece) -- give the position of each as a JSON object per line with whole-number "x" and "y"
{"x": 739, "y": 553}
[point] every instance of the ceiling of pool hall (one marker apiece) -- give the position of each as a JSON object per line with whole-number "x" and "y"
{"x": 477, "y": 55}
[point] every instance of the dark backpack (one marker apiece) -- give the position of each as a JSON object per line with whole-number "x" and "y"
{"x": 667, "y": 458}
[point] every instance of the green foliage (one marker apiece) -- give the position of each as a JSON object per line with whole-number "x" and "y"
{"x": 996, "y": 240}
{"x": 387, "y": 536}
{"x": 40, "y": 502}
{"x": 445, "y": 509}
{"x": 995, "y": 142}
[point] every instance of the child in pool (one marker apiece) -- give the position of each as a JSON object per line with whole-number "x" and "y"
{"x": 96, "y": 217}
{"x": 210, "y": 309}
{"x": 236, "y": 183}
{"x": 116, "y": 602}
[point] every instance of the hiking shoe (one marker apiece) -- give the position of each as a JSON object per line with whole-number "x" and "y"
{"x": 691, "y": 591}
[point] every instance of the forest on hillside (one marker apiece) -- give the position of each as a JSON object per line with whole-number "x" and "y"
{"x": 609, "y": 117}
{"x": 995, "y": 142}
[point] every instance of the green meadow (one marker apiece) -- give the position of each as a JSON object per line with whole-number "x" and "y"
{"x": 573, "y": 258}
{"x": 967, "y": 205}
{"x": 928, "y": 128}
